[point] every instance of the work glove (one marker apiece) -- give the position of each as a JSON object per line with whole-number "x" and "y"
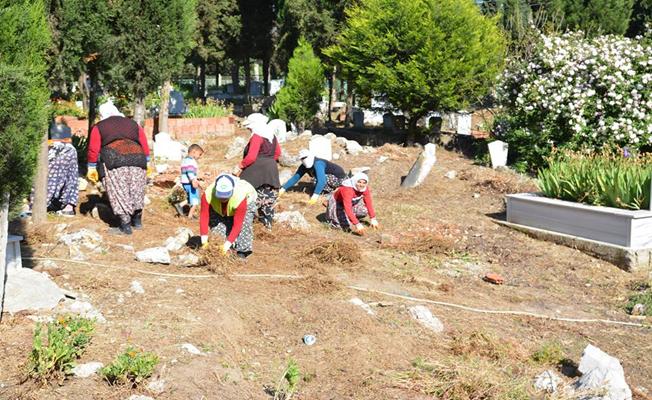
{"x": 358, "y": 228}
{"x": 236, "y": 170}
{"x": 225, "y": 247}
{"x": 204, "y": 241}
{"x": 374, "y": 223}
{"x": 313, "y": 199}
{"x": 280, "y": 192}
{"x": 92, "y": 174}
{"x": 150, "y": 171}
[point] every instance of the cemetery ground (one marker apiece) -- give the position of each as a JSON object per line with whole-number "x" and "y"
{"x": 437, "y": 242}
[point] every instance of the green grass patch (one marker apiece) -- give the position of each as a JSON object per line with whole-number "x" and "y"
{"x": 55, "y": 348}
{"x": 130, "y": 368}
{"x": 212, "y": 109}
{"x": 645, "y": 298}
{"x": 550, "y": 353}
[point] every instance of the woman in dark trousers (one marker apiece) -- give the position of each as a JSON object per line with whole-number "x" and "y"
{"x": 327, "y": 176}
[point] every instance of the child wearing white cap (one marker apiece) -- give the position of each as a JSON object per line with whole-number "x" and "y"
{"x": 228, "y": 207}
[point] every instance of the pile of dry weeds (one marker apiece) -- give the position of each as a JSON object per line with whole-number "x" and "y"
{"x": 504, "y": 182}
{"x": 213, "y": 260}
{"x": 440, "y": 239}
{"x": 335, "y": 252}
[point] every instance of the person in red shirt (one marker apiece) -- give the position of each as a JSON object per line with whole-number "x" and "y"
{"x": 350, "y": 202}
{"x": 118, "y": 154}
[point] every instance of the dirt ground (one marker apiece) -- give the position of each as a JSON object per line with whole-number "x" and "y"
{"x": 436, "y": 242}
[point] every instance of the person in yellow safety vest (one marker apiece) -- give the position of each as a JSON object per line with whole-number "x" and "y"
{"x": 228, "y": 207}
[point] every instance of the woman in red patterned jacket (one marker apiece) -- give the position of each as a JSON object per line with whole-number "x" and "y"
{"x": 350, "y": 202}
{"x": 118, "y": 155}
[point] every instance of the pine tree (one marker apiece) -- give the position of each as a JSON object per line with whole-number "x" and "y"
{"x": 298, "y": 100}
{"x": 595, "y": 17}
{"x": 24, "y": 40}
{"x": 420, "y": 55}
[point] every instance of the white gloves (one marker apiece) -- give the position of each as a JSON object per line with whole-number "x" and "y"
{"x": 374, "y": 223}
{"x": 226, "y": 246}
{"x": 313, "y": 199}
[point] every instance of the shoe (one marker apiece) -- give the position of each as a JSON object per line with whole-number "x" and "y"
{"x": 67, "y": 214}
{"x": 137, "y": 219}
{"x": 123, "y": 229}
{"x": 243, "y": 254}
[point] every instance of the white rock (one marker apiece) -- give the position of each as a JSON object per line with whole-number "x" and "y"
{"x": 356, "y": 301}
{"x": 154, "y": 255}
{"x": 86, "y": 238}
{"x": 336, "y": 156}
{"x": 187, "y": 260}
{"x": 353, "y": 147}
{"x": 639, "y": 309}
{"x": 293, "y": 219}
{"x": 192, "y": 349}
{"x": 425, "y": 317}
{"x": 161, "y": 168}
{"x": 320, "y": 146}
{"x": 382, "y": 159}
{"x": 156, "y": 386}
{"x": 421, "y": 167}
{"x": 86, "y": 370}
{"x": 286, "y": 160}
{"x": 179, "y": 240}
{"x": 236, "y": 148}
{"x": 179, "y": 291}
{"x": 139, "y": 397}
{"x": 49, "y": 264}
{"x": 167, "y": 149}
{"x": 368, "y": 149}
{"x": 76, "y": 253}
{"x": 137, "y": 287}
{"x": 547, "y": 381}
{"x": 284, "y": 175}
{"x": 306, "y": 133}
{"x": 340, "y": 141}
{"x": 602, "y": 371}
{"x": 330, "y": 136}
{"x": 451, "y": 174}
{"x": 60, "y": 228}
{"x": 125, "y": 247}
{"x": 84, "y": 309}
{"x": 26, "y": 289}
{"x": 146, "y": 201}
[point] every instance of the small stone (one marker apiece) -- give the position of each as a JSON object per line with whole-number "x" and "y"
{"x": 139, "y": 397}
{"x": 192, "y": 349}
{"x": 368, "y": 149}
{"x": 179, "y": 291}
{"x": 356, "y": 301}
{"x": 306, "y": 133}
{"x": 236, "y": 147}
{"x": 84, "y": 309}
{"x": 60, "y": 228}
{"x": 547, "y": 381}
{"x": 382, "y": 159}
{"x": 331, "y": 136}
{"x": 86, "y": 370}
{"x": 293, "y": 219}
{"x": 156, "y": 386}
{"x": 187, "y": 260}
{"x": 179, "y": 240}
{"x": 147, "y": 201}
{"x": 494, "y": 278}
{"x": 639, "y": 309}
{"x": 336, "y": 156}
{"x": 425, "y": 317}
{"x": 82, "y": 184}
{"x": 154, "y": 255}
{"x": 451, "y": 174}
{"x": 95, "y": 213}
{"x": 353, "y": 147}
{"x": 137, "y": 287}
{"x": 476, "y": 195}
{"x": 340, "y": 141}
{"x": 288, "y": 161}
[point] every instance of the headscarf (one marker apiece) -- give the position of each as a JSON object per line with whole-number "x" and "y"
{"x": 261, "y": 129}
{"x": 108, "y": 109}
{"x": 224, "y": 186}
{"x": 307, "y": 158}
{"x": 352, "y": 181}
{"x": 255, "y": 117}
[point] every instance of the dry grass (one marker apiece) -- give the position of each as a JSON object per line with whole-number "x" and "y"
{"x": 503, "y": 182}
{"x": 393, "y": 151}
{"x": 436, "y": 241}
{"x": 335, "y": 252}
{"x": 318, "y": 284}
{"x": 214, "y": 261}
{"x": 487, "y": 345}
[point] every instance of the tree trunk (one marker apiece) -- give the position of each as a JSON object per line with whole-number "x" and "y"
{"x": 39, "y": 208}
{"x": 139, "y": 109}
{"x": 266, "y": 76}
{"x": 92, "y": 100}
{"x": 349, "y": 104}
{"x": 202, "y": 80}
{"x": 4, "y": 226}
{"x": 218, "y": 76}
{"x": 163, "y": 111}
{"x": 196, "y": 90}
{"x": 235, "y": 76}
{"x": 412, "y": 130}
{"x": 331, "y": 93}
{"x": 247, "y": 71}
{"x": 83, "y": 88}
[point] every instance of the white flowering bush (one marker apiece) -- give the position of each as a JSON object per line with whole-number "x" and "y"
{"x": 574, "y": 92}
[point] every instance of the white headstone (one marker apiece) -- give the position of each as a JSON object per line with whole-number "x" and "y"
{"x": 154, "y": 255}
{"x": 421, "y": 167}
{"x": 498, "y": 151}
{"x": 463, "y": 123}
{"x": 353, "y": 147}
{"x": 320, "y": 146}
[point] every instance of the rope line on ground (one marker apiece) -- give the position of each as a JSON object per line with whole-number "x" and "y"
{"x": 502, "y": 312}
{"x": 271, "y": 276}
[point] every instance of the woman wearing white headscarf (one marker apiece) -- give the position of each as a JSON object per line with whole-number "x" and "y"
{"x": 259, "y": 167}
{"x": 118, "y": 155}
{"x": 350, "y": 202}
{"x": 327, "y": 176}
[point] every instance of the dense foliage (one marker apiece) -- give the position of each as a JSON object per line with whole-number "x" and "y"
{"x": 574, "y": 92}
{"x": 23, "y": 93}
{"x": 607, "y": 179}
{"x": 298, "y": 101}
{"x": 420, "y": 55}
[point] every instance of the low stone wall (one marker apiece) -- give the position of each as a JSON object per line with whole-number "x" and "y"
{"x": 179, "y": 128}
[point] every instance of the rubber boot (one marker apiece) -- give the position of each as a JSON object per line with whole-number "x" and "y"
{"x": 125, "y": 226}
{"x": 137, "y": 219}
